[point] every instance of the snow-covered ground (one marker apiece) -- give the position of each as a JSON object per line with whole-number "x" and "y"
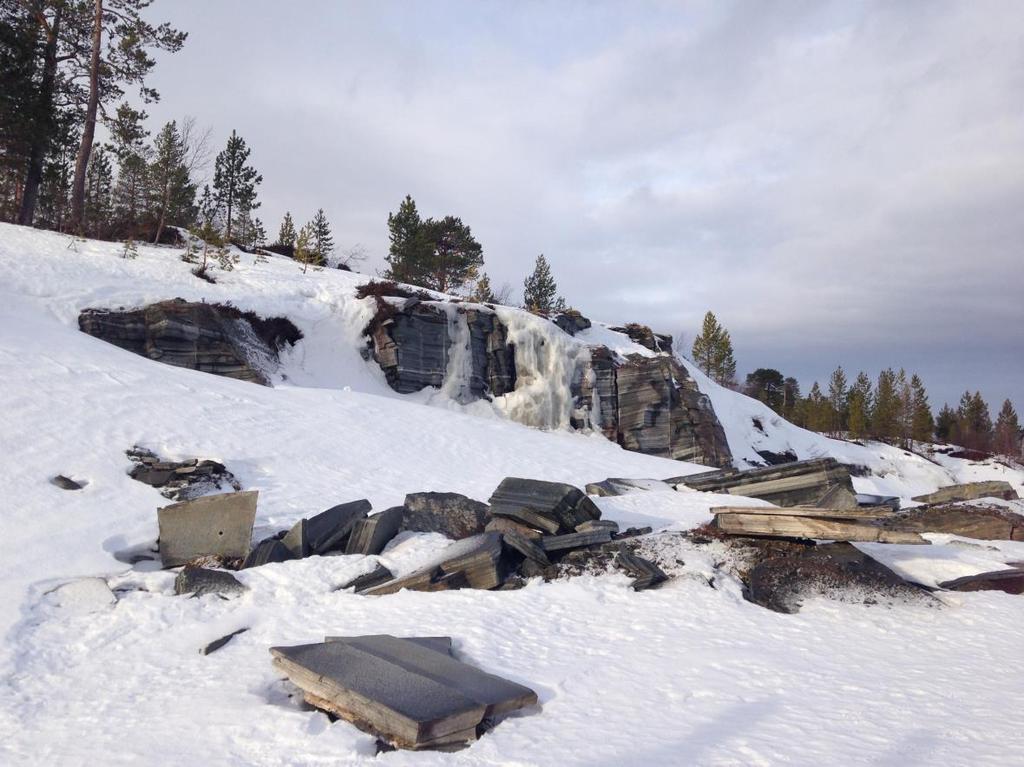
{"x": 687, "y": 674}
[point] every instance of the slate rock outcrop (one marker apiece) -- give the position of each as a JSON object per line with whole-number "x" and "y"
{"x": 213, "y": 338}
{"x": 450, "y": 514}
{"x": 991, "y": 523}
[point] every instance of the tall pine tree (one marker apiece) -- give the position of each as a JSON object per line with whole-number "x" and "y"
{"x": 859, "y": 401}
{"x": 885, "y": 414}
{"x": 323, "y": 242}
{"x": 1007, "y": 436}
{"x": 922, "y": 424}
{"x": 712, "y": 351}
{"x": 540, "y": 291}
{"x": 286, "y": 233}
{"x": 235, "y": 181}
{"x": 837, "y": 401}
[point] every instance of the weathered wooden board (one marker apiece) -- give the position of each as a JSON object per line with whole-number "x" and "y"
{"x": 811, "y": 527}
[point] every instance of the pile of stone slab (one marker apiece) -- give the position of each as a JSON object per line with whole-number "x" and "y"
{"x": 180, "y": 480}
{"x": 814, "y": 523}
{"x": 970, "y": 491}
{"x": 822, "y": 483}
{"x": 410, "y": 693}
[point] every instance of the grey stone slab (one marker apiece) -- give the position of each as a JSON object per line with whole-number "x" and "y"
{"x": 470, "y": 563}
{"x": 593, "y": 525}
{"x": 371, "y": 534}
{"x": 200, "y": 581}
{"x": 406, "y": 707}
{"x": 574, "y": 540}
{"x": 327, "y": 531}
{"x": 214, "y": 524}
{"x": 267, "y": 552}
{"x": 437, "y": 644}
{"x": 66, "y": 483}
{"x": 646, "y": 574}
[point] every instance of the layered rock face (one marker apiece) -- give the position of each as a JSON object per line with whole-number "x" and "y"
{"x": 210, "y": 337}
{"x": 646, "y": 404}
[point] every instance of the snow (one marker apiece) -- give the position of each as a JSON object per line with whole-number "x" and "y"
{"x": 687, "y": 674}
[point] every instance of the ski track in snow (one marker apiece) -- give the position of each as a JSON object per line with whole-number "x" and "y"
{"x": 686, "y": 674}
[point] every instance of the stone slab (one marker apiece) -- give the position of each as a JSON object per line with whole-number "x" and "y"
{"x": 371, "y": 534}
{"x": 213, "y": 524}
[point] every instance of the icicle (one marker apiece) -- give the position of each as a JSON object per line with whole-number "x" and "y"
{"x": 459, "y": 370}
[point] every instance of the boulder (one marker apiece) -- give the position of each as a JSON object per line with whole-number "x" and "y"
{"x": 200, "y": 581}
{"x": 215, "y": 524}
{"x": 971, "y": 491}
{"x": 992, "y": 523}
{"x": 450, "y": 514}
{"x": 835, "y": 570}
{"x": 550, "y": 507}
{"x": 213, "y": 338}
{"x": 643, "y": 335}
{"x": 571, "y": 321}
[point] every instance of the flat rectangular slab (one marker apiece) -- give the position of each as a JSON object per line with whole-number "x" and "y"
{"x": 970, "y": 491}
{"x": 214, "y": 524}
{"x": 551, "y": 507}
{"x": 781, "y": 525}
{"x": 437, "y": 644}
{"x": 574, "y": 540}
{"x": 472, "y": 562}
{"x": 371, "y": 534}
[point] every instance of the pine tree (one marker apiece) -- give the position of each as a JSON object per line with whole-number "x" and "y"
{"x": 482, "y": 292}
{"x": 259, "y": 234}
{"x": 172, "y": 191}
{"x": 818, "y": 414}
{"x": 922, "y": 424}
{"x": 286, "y": 234}
{"x": 234, "y": 180}
{"x": 305, "y": 252}
{"x": 409, "y": 251}
{"x": 540, "y": 291}
{"x": 455, "y": 255}
{"x": 946, "y": 424}
{"x": 791, "y": 400}
{"x": 131, "y": 192}
{"x": 123, "y": 59}
{"x": 99, "y": 190}
{"x": 858, "y": 407}
{"x": 712, "y": 351}
{"x": 323, "y": 242}
{"x": 974, "y": 422}
{"x": 1007, "y": 437}
{"x": 885, "y": 414}
{"x": 837, "y": 401}
{"x": 768, "y": 386}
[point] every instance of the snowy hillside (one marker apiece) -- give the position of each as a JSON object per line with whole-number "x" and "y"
{"x": 687, "y": 674}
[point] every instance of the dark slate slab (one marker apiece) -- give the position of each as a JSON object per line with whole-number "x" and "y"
{"x": 550, "y": 506}
{"x": 200, "y": 581}
{"x": 66, "y": 483}
{"x": 592, "y": 525}
{"x": 450, "y": 514}
{"x": 266, "y": 552}
{"x": 375, "y": 577}
{"x": 646, "y": 574}
{"x": 470, "y": 563}
{"x": 527, "y": 548}
{"x": 437, "y": 644}
{"x": 216, "y": 644}
{"x": 371, "y": 534}
{"x": 1008, "y": 581}
{"x": 327, "y": 531}
{"x": 214, "y": 524}
{"x": 574, "y": 540}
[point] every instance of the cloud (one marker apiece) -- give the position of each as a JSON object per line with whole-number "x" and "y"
{"x": 839, "y": 182}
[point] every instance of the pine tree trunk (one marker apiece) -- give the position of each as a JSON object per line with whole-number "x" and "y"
{"x": 89, "y": 131}
{"x": 41, "y": 138}
{"x": 164, "y": 202}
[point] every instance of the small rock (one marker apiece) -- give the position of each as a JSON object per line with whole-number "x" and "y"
{"x": 199, "y": 581}
{"x": 266, "y": 552}
{"x": 66, "y": 483}
{"x": 375, "y": 577}
{"x": 216, "y": 644}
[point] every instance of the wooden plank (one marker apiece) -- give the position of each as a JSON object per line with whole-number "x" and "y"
{"x": 785, "y": 526}
{"x": 874, "y": 512}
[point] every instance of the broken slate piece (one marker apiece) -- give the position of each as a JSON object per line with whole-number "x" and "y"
{"x": 267, "y": 552}
{"x": 970, "y": 491}
{"x": 216, "y": 644}
{"x": 598, "y": 524}
{"x": 213, "y": 524}
{"x": 646, "y": 574}
{"x": 371, "y": 534}
{"x": 526, "y": 547}
{"x": 375, "y": 577}
{"x": 450, "y": 514}
{"x": 66, "y": 483}
{"x": 200, "y": 581}
{"x": 412, "y": 696}
{"x": 551, "y": 507}
{"x": 470, "y": 563}
{"x": 327, "y": 531}
{"x": 619, "y": 486}
{"x": 1008, "y": 581}
{"x": 574, "y": 540}
{"x": 506, "y": 525}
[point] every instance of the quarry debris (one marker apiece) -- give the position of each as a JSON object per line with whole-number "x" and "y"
{"x": 550, "y": 507}
{"x": 453, "y": 515}
{"x": 407, "y": 693}
{"x": 1007, "y": 581}
{"x": 970, "y": 491}
{"x": 267, "y": 552}
{"x": 820, "y": 482}
{"x": 66, "y": 483}
{"x": 371, "y": 534}
{"x": 214, "y": 524}
{"x": 327, "y": 531}
{"x": 815, "y": 523}
{"x": 216, "y": 644}
{"x": 973, "y": 520}
{"x": 180, "y": 480}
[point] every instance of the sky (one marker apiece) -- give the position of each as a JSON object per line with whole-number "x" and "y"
{"x": 841, "y": 183}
